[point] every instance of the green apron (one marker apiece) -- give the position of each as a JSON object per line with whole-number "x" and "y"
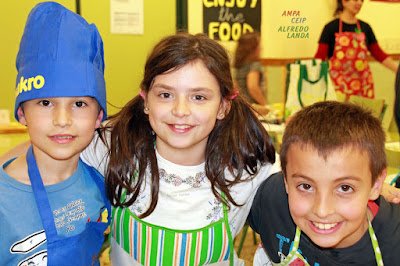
{"x": 295, "y": 256}
{"x": 150, "y": 244}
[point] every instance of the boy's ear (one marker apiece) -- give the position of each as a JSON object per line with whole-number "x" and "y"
{"x": 224, "y": 109}
{"x": 99, "y": 119}
{"x": 21, "y": 116}
{"x": 286, "y": 185}
{"x": 377, "y": 186}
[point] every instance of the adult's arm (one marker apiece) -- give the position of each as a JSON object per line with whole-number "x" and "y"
{"x": 16, "y": 151}
{"x": 375, "y": 50}
{"x": 322, "y": 52}
{"x": 326, "y": 41}
{"x": 390, "y": 64}
{"x": 254, "y": 88}
{"x": 94, "y": 155}
{"x": 390, "y": 193}
{"x": 382, "y": 57}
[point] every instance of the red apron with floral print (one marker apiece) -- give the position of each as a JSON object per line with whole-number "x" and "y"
{"x": 349, "y": 68}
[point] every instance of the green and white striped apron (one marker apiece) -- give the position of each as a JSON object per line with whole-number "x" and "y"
{"x": 149, "y": 244}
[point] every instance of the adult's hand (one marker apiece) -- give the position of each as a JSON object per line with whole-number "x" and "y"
{"x": 390, "y": 193}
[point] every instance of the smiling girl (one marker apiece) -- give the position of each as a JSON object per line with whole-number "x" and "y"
{"x": 186, "y": 157}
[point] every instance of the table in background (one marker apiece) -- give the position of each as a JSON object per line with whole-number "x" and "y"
{"x": 276, "y": 133}
{"x": 11, "y": 135}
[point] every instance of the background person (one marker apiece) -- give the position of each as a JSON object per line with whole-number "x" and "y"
{"x": 248, "y": 71}
{"x": 345, "y": 41}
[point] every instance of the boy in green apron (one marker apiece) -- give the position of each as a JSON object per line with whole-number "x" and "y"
{"x": 325, "y": 208}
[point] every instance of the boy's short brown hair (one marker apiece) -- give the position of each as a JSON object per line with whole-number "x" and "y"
{"x": 328, "y": 126}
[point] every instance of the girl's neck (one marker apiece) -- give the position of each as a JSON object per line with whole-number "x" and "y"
{"x": 184, "y": 158}
{"x": 348, "y": 18}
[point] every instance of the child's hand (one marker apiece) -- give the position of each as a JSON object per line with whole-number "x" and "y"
{"x": 390, "y": 193}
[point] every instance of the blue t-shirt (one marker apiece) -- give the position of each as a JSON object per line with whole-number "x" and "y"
{"x": 73, "y": 202}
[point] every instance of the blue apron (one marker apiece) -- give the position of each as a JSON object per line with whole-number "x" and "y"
{"x": 81, "y": 249}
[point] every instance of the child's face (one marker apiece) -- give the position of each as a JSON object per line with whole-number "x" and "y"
{"x": 183, "y": 106}
{"x": 328, "y": 199}
{"x": 60, "y": 127}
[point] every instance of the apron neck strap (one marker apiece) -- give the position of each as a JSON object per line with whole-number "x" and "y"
{"x": 226, "y": 221}
{"x": 42, "y": 201}
{"x": 100, "y": 184}
{"x": 358, "y": 25}
{"x": 341, "y": 25}
{"x": 374, "y": 240}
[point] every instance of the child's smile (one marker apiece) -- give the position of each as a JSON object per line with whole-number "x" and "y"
{"x": 324, "y": 228}
{"x": 62, "y": 138}
{"x": 180, "y": 128}
{"x": 328, "y": 198}
{"x": 183, "y": 107}
{"x": 61, "y": 127}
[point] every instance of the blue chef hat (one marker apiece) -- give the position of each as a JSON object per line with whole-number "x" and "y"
{"x": 60, "y": 55}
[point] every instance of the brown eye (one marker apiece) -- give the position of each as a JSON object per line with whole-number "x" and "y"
{"x": 199, "y": 97}
{"x": 80, "y": 104}
{"x": 345, "y": 188}
{"x": 305, "y": 187}
{"x": 45, "y": 103}
{"x": 165, "y": 95}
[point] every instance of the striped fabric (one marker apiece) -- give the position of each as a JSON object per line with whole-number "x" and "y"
{"x": 153, "y": 245}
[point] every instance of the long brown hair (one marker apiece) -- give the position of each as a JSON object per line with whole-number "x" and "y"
{"x": 246, "y": 46}
{"x": 238, "y": 142}
{"x": 339, "y": 8}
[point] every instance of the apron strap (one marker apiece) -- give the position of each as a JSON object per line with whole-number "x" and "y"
{"x": 228, "y": 229}
{"x": 101, "y": 185}
{"x": 42, "y": 201}
{"x": 341, "y": 25}
{"x": 375, "y": 245}
{"x": 358, "y": 25}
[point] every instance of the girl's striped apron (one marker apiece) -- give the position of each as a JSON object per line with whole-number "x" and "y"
{"x": 149, "y": 244}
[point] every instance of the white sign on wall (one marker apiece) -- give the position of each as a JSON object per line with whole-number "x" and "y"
{"x": 126, "y": 16}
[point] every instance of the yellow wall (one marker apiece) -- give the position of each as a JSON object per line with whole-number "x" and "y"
{"x": 125, "y": 55}
{"x": 317, "y": 12}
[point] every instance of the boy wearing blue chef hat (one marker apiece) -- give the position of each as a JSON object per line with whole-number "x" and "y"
{"x": 52, "y": 203}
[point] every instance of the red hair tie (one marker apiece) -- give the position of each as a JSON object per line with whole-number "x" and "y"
{"x": 235, "y": 93}
{"x": 141, "y": 94}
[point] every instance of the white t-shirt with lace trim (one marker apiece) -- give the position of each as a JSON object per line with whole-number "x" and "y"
{"x": 186, "y": 201}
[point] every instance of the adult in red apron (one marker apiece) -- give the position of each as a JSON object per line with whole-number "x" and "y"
{"x": 349, "y": 67}
{"x": 82, "y": 249}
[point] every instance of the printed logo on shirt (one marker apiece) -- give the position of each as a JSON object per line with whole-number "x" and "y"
{"x": 69, "y": 214}
{"x": 283, "y": 244}
{"x": 29, "y": 244}
{"x": 38, "y": 259}
{"x": 26, "y": 85}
